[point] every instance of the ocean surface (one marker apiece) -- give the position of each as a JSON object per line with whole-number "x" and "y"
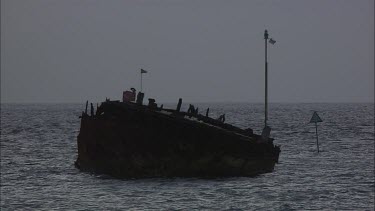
{"x": 38, "y": 150}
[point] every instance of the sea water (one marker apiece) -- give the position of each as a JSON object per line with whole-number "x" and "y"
{"x": 39, "y": 147}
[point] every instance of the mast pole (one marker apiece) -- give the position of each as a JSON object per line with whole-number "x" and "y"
{"x": 266, "y": 80}
{"x": 141, "y": 80}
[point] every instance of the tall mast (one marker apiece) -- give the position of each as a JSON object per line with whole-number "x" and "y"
{"x": 266, "y": 80}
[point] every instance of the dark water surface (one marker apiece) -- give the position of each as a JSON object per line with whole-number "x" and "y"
{"x": 38, "y": 149}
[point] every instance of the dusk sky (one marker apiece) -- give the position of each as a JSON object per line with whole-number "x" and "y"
{"x": 202, "y": 51}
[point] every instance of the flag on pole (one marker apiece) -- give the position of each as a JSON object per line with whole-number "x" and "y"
{"x": 272, "y": 41}
{"x": 143, "y": 71}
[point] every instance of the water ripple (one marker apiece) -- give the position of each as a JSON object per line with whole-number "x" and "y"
{"x": 38, "y": 149}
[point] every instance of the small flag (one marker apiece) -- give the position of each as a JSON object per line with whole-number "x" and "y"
{"x": 272, "y": 41}
{"x": 143, "y": 71}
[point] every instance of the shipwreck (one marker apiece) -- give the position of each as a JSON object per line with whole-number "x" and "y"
{"x": 130, "y": 140}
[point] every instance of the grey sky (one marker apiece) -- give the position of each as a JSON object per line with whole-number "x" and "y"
{"x": 202, "y": 51}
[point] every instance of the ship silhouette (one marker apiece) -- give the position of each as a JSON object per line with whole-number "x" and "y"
{"x": 130, "y": 140}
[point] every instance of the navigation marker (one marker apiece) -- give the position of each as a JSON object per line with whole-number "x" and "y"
{"x": 315, "y": 119}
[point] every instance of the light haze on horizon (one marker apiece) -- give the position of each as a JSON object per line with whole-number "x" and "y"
{"x": 201, "y": 51}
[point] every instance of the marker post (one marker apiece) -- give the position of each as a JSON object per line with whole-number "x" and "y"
{"x": 315, "y": 119}
{"x": 317, "y": 139}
